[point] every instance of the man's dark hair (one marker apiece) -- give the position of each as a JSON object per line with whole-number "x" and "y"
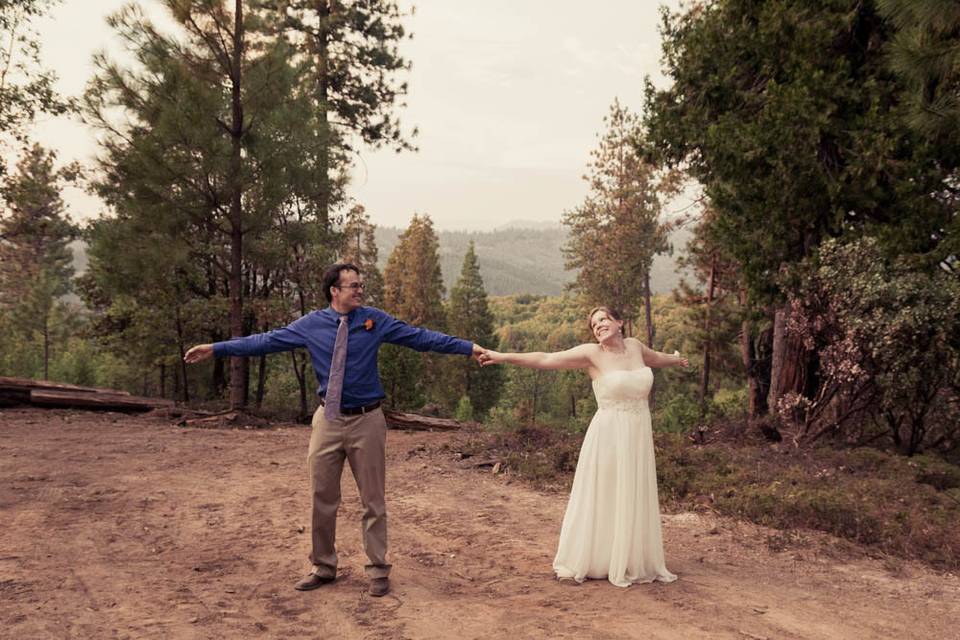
{"x": 332, "y": 276}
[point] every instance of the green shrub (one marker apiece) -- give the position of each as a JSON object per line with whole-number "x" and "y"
{"x": 679, "y": 414}
{"x": 464, "y": 410}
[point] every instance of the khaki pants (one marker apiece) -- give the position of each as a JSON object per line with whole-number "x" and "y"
{"x": 361, "y": 439}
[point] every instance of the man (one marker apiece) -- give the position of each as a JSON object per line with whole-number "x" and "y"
{"x": 343, "y": 341}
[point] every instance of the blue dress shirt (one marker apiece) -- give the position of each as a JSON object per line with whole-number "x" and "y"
{"x": 368, "y": 329}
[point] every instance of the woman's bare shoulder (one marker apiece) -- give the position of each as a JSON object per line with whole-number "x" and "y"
{"x": 588, "y": 347}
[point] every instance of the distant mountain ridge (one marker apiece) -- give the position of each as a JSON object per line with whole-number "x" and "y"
{"x": 517, "y": 259}
{"x": 513, "y": 259}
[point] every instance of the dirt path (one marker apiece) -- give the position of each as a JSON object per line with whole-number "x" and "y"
{"x": 119, "y": 527}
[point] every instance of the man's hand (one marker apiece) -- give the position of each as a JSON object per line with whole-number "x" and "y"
{"x": 199, "y": 353}
{"x": 478, "y": 353}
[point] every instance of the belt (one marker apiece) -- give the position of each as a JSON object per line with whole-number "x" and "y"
{"x": 356, "y": 411}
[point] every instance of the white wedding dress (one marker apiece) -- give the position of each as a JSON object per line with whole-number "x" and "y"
{"x": 612, "y": 525}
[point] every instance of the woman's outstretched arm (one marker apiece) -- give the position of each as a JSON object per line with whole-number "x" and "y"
{"x": 575, "y": 358}
{"x": 658, "y": 360}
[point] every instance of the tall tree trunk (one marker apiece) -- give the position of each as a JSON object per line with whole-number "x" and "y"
{"x": 789, "y": 362}
{"x": 163, "y": 380}
{"x": 219, "y": 381}
{"x": 175, "y": 378}
{"x": 261, "y": 379}
{"x": 185, "y": 396}
{"x": 323, "y": 8}
{"x": 749, "y": 358}
{"x": 708, "y": 337}
{"x": 648, "y": 308}
{"x": 298, "y": 371}
{"x": 237, "y": 377}
{"x": 536, "y": 393}
{"x": 46, "y": 347}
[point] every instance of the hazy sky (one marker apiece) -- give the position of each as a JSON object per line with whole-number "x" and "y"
{"x": 508, "y": 95}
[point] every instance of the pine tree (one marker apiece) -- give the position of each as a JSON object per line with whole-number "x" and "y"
{"x": 35, "y": 259}
{"x": 924, "y": 52}
{"x": 470, "y": 318}
{"x": 349, "y": 49}
{"x": 413, "y": 292}
{"x": 712, "y": 303}
{"x": 25, "y": 89}
{"x": 413, "y": 282}
{"x": 212, "y": 152}
{"x": 617, "y": 231}
{"x": 359, "y": 246}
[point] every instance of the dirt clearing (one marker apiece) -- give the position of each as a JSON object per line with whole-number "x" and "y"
{"x": 132, "y": 527}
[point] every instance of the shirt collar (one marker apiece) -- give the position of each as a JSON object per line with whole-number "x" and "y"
{"x": 332, "y": 313}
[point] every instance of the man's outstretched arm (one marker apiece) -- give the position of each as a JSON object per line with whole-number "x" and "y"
{"x": 398, "y": 332}
{"x": 284, "y": 339}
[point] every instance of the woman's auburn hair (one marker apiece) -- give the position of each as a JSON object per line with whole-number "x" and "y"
{"x": 610, "y": 312}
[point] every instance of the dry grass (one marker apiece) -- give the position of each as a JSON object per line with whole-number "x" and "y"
{"x": 908, "y": 508}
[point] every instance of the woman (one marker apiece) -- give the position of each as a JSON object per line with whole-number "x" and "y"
{"x": 611, "y": 528}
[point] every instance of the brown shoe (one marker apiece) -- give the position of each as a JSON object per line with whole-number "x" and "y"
{"x": 313, "y": 581}
{"x": 379, "y": 587}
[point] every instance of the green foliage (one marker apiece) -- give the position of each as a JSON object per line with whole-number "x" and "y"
{"x": 464, "y": 411}
{"x": 35, "y": 259}
{"x": 864, "y": 495}
{"x": 786, "y": 114}
{"x": 359, "y": 247}
{"x": 413, "y": 292}
{"x": 888, "y": 335}
{"x": 469, "y": 317}
{"x": 351, "y": 53}
{"x": 25, "y": 89}
{"x": 712, "y": 311}
{"x": 401, "y": 371}
{"x": 924, "y": 52}
{"x": 680, "y": 414}
{"x": 215, "y": 216}
{"x": 529, "y": 396}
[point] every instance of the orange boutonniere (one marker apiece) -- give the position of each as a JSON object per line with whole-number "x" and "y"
{"x": 368, "y": 324}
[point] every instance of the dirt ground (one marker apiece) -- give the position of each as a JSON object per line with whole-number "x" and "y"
{"x": 133, "y": 527}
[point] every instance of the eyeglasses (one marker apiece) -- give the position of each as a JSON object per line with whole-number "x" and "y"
{"x": 356, "y": 286}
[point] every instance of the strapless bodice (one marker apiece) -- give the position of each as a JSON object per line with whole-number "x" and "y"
{"x": 626, "y": 389}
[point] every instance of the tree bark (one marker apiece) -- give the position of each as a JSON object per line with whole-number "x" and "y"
{"x": 753, "y": 351}
{"x": 648, "y": 308}
{"x": 261, "y": 380}
{"x": 324, "y": 11}
{"x": 789, "y": 361}
{"x": 237, "y": 377}
{"x": 46, "y": 347}
{"x": 185, "y": 395}
{"x": 708, "y": 337}
{"x": 299, "y": 372}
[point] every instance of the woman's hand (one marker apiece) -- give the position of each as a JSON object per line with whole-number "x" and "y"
{"x": 681, "y": 361}
{"x": 489, "y": 356}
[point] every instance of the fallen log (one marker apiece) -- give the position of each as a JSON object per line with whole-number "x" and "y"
{"x": 8, "y": 384}
{"x": 86, "y": 400}
{"x": 416, "y": 422}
